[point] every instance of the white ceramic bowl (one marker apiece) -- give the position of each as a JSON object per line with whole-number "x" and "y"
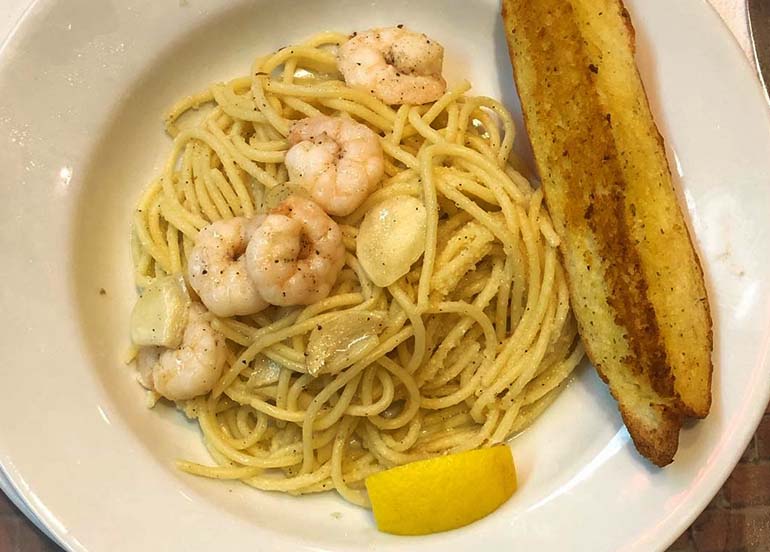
{"x": 83, "y": 86}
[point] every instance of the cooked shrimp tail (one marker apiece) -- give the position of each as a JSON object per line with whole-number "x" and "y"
{"x": 190, "y": 370}
{"x": 217, "y": 268}
{"x": 397, "y": 65}
{"x": 338, "y": 161}
{"x": 295, "y": 255}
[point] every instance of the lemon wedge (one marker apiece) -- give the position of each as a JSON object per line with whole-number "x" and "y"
{"x": 442, "y": 493}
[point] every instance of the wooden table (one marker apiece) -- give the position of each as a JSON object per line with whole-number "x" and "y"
{"x": 738, "y": 519}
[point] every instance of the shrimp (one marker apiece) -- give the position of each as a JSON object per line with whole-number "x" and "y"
{"x": 296, "y": 254}
{"x": 190, "y": 370}
{"x": 217, "y": 268}
{"x": 339, "y": 161}
{"x": 396, "y": 65}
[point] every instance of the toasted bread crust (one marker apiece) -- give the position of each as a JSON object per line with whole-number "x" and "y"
{"x": 609, "y": 191}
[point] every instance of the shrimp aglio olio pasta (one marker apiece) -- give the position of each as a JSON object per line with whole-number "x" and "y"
{"x": 341, "y": 268}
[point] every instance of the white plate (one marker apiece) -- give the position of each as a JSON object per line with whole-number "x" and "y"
{"x": 84, "y": 84}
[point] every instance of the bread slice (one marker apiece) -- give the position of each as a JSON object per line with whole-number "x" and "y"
{"x": 635, "y": 280}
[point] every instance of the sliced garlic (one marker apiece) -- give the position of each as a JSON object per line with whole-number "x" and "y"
{"x": 343, "y": 340}
{"x": 391, "y": 238}
{"x": 160, "y": 314}
{"x": 264, "y": 371}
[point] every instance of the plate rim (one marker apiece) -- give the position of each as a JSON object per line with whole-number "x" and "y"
{"x": 67, "y": 541}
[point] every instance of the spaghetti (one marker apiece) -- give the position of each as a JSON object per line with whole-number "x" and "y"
{"x": 475, "y": 341}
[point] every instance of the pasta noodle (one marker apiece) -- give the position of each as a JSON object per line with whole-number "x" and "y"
{"x": 477, "y": 338}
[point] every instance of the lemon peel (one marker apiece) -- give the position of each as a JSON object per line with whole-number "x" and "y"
{"x": 442, "y": 493}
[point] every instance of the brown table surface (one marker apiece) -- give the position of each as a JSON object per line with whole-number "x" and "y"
{"x": 738, "y": 519}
